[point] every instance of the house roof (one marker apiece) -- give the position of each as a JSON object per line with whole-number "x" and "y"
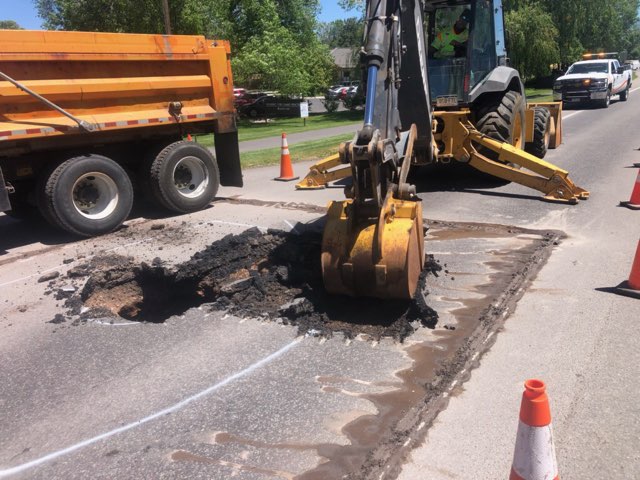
{"x": 344, "y": 57}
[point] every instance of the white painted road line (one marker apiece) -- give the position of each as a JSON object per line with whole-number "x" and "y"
{"x": 85, "y": 443}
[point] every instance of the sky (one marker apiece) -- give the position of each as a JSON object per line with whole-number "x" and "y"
{"x": 23, "y": 12}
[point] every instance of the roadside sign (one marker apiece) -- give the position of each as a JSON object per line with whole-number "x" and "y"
{"x": 304, "y": 110}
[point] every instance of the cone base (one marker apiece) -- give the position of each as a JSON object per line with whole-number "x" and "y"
{"x": 630, "y": 205}
{"x": 286, "y": 179}
{"x": 625, "y": 289}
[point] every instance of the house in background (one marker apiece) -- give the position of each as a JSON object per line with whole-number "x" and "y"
{"x": 347, "y": 65}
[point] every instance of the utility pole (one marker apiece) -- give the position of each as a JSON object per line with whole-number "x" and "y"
{"x": 167, "y": 20}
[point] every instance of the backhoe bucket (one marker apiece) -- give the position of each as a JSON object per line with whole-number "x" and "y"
{"x": 378, "y": 257}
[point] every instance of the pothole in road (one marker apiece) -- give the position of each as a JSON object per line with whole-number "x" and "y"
{"x": 272, "y": 276}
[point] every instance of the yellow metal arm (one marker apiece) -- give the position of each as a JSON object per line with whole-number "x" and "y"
{"x": 319, "y": 175}
{"x": 547, "y": 178}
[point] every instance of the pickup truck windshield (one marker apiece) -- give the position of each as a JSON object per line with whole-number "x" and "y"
{"x": 600, "y": 67}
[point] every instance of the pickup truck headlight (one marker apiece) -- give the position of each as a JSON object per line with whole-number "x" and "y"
{"x": 557, "y": 85}
{"x": 598, "y": 82}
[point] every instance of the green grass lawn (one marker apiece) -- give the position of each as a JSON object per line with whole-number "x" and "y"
{"x": 250, "y": 130}
{"x": 535, "y": 95}
{"x": 314, "y": 150}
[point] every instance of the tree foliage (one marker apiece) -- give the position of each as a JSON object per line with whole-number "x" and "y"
{"x": 274, "y": 44}
{"x": 340, "y": 33}
{"x": 581, "y": 25}
{"x": 9, "y": 25}
{"x": 532, "y": 39}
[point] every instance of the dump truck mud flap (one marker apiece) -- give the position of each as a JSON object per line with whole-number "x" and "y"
{"x": 4, "y": 195}
{"x": 228, "y": 158}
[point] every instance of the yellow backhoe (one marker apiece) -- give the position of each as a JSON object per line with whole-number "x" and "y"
{"x": 422, "y": 107}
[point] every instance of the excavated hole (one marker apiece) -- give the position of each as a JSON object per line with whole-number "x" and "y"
{"x": 274, "y": 276}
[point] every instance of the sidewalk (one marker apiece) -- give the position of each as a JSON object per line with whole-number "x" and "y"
{"x": 275, "y": 142}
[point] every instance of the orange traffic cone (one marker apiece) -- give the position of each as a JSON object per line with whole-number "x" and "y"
{"x": 631, "y": 288}
{"x": 286, "y": 170}
{"x": 189, "y": 139}
{"x": 634, "y": 202}
{"x": 535, "y": 455}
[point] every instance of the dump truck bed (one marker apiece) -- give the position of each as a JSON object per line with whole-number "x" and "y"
{"x": 113, "y": 82}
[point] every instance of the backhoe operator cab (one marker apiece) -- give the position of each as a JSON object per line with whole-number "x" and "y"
{"x": 463, "y": 63}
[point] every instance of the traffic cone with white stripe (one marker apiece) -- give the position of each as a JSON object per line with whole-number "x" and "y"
{"x": 535, "y": 455}
{"x": 634, "y": 202}
{"x": 631, "y": 288}
{"x": 286, "y": 170}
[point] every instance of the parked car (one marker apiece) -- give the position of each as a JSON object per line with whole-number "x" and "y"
{"x": 635, "y": 64}
{"x": 354, "y": 98}
{"x": 248, "y": 97}
{"x": 334, "y": 92}
{"x": 273, "y": 106}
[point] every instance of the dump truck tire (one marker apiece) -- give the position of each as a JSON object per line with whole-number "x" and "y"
{"x": 541, "y": 132}
{"x": 504, "y": 120}
{"x": 87, "y": 195}
{"x": 184, "y": 177}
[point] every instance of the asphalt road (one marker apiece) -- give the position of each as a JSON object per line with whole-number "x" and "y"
{"x": 205, "y": 395}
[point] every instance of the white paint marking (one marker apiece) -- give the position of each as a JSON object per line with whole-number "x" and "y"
{"x": 292, "y": 227}
{"x": 422, "y": 425}
{"x": 87, "y": 258}
{"x": 109, "y": 324}
{"x": 30, "y": 276}
{"x": 238, "y": 224}
{"x": 85, "y": 443}
{"x": 572, "y": 114}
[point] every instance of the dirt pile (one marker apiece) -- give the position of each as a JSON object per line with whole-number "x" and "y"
{"x": 274, "y": 276}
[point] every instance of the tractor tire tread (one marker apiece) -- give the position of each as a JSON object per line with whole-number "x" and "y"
{"x": 539, "y": 145}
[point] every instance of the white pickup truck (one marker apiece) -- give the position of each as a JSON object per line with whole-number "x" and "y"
{"x": 593, "y": 81}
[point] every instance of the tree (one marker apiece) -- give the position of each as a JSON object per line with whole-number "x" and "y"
{"x": 133, "y": 16}
{"x": 533, "y": 40}
{"x": 273, "y": 42}
{"x": 275, "y": 57}
{"x": 9, "y": 25}
{"x": 346, "y": 33}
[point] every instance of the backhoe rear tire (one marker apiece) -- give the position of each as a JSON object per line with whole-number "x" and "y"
{"x": 504, "y": 120}
{"x": 541, "y": 132}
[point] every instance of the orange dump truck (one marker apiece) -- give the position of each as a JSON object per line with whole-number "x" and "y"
{"x": 89, "y": 120}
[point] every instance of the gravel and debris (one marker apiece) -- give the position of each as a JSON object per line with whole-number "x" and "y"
{"x": 272, "y": 276}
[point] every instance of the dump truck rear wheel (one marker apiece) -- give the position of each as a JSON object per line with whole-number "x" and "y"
{"x": 87, "y": 195}
{"x": 184, "y": 177}
{"x": 541, "y": 132}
